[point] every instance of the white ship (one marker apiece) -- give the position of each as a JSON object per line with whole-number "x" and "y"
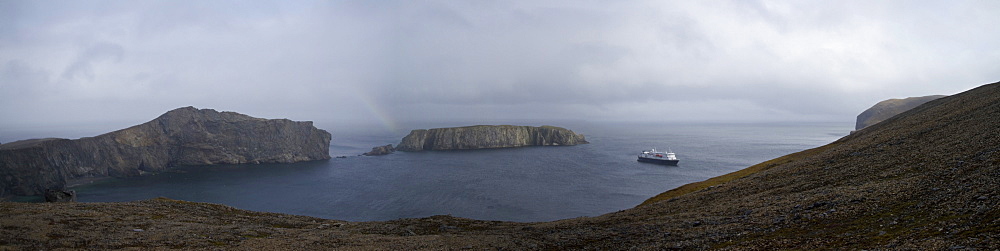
{"x": 665, "y": 158}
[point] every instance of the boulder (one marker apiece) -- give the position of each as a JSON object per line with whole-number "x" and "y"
{"x": 60, "y": 195}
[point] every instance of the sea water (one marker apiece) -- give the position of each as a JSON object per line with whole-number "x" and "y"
{"x": 513, "y": 184}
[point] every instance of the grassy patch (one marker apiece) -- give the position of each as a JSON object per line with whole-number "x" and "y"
{"x": 165, "y": 199}
{"x": 689, "y": 188}
{"x": 286, "y": 225}
{"x": 255, "y": 235}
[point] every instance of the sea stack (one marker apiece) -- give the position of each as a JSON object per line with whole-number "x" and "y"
{"x": 184, "y": 136}
{"x": 488, "y": 136}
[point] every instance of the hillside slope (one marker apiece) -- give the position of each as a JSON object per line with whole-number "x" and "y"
{"x": 926, "y": 179}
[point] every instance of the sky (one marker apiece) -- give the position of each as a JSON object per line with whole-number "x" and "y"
{"x": 108, "y": 65}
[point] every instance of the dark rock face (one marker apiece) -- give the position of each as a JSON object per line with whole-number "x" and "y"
{"x": 488, "y": 136}
{"x": 888, "y": 108}
{"x": 184, "y": 136}
{"x": 60, "y": 196}
{"x": 381, "y": 150}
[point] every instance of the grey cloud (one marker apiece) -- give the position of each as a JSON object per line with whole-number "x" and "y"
{"x": 378, "y": 61}
{"x": 102, "y": 51}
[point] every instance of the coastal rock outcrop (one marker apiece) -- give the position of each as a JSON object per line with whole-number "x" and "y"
{"x": 60, "y": 196}
{"x": 380, "y": 150}
{"x": 888, "y": 108}
{"x": 184, "y": 136}
{"x": 488, "y": 136}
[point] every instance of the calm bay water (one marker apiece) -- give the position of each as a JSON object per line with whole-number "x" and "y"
{"x": 517, "y": 184}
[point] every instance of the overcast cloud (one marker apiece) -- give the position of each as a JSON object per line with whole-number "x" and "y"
{"x": 120, "y": 63}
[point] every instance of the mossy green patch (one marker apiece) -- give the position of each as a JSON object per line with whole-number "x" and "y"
{"x": 255, "y": 235}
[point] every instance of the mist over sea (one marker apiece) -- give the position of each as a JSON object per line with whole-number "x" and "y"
{"x": 516, "y": 184}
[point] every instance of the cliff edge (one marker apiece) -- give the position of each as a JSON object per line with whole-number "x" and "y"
{"x": 888, "y": 108}
{"x": 488, "y": 136}
{"x": 184, "y": 136}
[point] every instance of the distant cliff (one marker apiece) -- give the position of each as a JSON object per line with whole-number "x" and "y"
{"x": 184, "y": 136}
{"x": 888, "y": 108}
{"x": 488, "y": 136}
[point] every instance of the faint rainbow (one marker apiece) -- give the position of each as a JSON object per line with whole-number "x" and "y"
{"x": 374, "y": 108}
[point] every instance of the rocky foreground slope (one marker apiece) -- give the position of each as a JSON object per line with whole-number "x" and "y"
{"x": 184, "y": 136}
{"x": 926, "y": 179}
{"x": 488, "y": 136}
{"x": 888, "y": 108}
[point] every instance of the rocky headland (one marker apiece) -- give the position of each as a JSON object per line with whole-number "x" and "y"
{"x": 888, "y": 108}
{"x": 488, "y": 136}
{"x": 923, "y": 180}
{"x": 184, "y": 136}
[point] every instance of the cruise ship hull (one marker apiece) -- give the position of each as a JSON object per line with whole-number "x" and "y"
{"x": 659, "y": 161}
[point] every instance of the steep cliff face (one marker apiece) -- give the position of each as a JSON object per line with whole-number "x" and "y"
{"x": 184, "y": 136}
{"x": 888, "y": 108}
{"x": 488, "y": 136}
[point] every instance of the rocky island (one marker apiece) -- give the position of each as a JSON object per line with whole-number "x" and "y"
{"x": 184, "y": 136}
{"x": 488, "y": 136}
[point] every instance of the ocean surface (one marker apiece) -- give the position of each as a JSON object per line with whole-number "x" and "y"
{"x": 516, "y": 184}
